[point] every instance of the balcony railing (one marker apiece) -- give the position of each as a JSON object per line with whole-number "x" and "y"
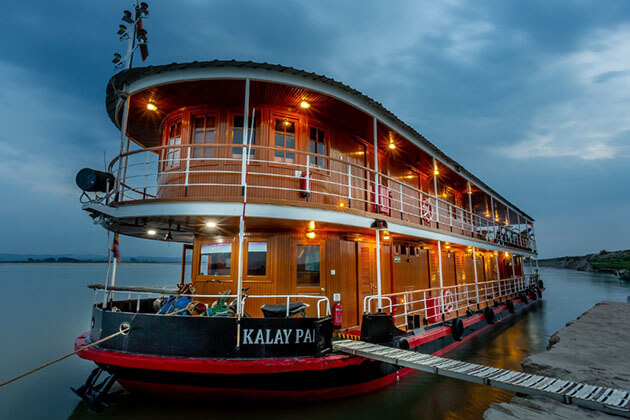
{"x": 440, "y": 303}
{"x": 215, "y": 171}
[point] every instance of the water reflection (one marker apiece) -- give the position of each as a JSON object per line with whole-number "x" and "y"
{"x": 59, "y": 306}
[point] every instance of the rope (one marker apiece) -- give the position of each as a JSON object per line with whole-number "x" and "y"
{"x": 102, "y": 340}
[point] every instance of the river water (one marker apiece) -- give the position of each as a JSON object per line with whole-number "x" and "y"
{"x": 45, "y": 307}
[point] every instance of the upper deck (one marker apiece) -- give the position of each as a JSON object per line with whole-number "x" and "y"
{"x": 315, "y": 161}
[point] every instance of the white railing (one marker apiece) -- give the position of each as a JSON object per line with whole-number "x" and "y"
{"x": 436, "y": 304}
{"x": 153, "y": 173}
{"x": 320, "y": 302}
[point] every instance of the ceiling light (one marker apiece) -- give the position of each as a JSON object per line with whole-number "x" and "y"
{"x": 342, "y": 204}
{"x": 310, "y": 235}
{"x": 211, "y": 224}
{"x": 151, "y": 106}
{"x": 151, "y": 232}
{"x": 392, "y": 146}
{"x": 311, "y": 225}
{"x": 305, "y": 105}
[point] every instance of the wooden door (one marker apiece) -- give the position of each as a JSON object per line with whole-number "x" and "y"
{"x": 308, "y": 268}
{"x": 366, "y": 272}
{"x": 449, "y": 272}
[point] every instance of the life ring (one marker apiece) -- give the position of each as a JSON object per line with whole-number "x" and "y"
{"x": 489, "y": 314}
{"x": 457, "y": 329}
{"x": 510, "y": 306}
{"x": 447, "y": 301}
{"x": 426, "y": 210}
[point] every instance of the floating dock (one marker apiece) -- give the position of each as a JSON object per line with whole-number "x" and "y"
{"x": 608, "y": 400}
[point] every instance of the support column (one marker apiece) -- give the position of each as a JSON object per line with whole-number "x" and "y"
{"x": 496, "y": 257}
{"x": 474, "y": 250}
{"x": 493, "y": 219}
{"x": 435, "y": 193}
{"x": 470, "y": 208}
{"x": 123, "y": 135}
{"x": 241, "y": 231}
{"x": 378, "y": 231}
{"x": 441, "y": 279}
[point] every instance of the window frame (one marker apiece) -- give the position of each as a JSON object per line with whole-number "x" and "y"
{"x": 322, "y": 266}
{"x": 174, "y": 120}
{"x": 229, "y": 278}
{"x": 258, "y": 140}
{"x": 253, "y": 278}
{"x": 272, "y": 139}
{"x": 320, "y": 127}
{"x": 205, "y": 113}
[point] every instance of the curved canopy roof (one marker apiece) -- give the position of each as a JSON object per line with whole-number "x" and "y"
{"x": 141, "y": 78}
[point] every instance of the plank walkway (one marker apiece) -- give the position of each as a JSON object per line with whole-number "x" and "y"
{"x": 608, "y": 400}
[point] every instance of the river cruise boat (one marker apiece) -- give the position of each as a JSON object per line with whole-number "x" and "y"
{"x": 309, "y": 213}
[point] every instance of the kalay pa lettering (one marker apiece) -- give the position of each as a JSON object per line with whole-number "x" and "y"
{"x": 279, "y": 336}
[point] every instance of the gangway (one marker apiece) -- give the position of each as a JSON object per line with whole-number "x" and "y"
{"x": 609, "y": 400}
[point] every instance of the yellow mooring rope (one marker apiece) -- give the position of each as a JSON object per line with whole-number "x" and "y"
{"x": 123, "y": 330}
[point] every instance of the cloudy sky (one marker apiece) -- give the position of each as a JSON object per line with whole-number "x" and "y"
{"x": 531, "y": 96}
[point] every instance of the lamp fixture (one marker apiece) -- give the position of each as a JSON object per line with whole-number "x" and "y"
{"x": 304, "y": 105}
{"x": 311, "y": 225}
{"x": 151, "y": 232}
{"x": 151, "y": 106}
{"x": 342, "y": 204}
{"x": 392, "y": 145}
{"x": 310, "y": 235}
{"x": 210, "y": 224}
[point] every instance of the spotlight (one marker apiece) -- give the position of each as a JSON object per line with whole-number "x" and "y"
{"x": 127, "y": 16}
{"x": 151, "y": 232}
{"x": 117, "y": 58}
{"x": 211, "y": 224}
{"x": 305, "y": 105}
{"x": 144, "y": 10}
{"x": 122, "y": 31}
{"x": 142, "y": 36}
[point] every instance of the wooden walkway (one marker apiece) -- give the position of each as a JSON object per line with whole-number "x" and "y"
{"x": 609, "y": 400}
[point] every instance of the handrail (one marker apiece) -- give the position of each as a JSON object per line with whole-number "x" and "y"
{"x": 397, "y": 197}
{"x": 461, "y": 296}
{"x": 146, "y": 291}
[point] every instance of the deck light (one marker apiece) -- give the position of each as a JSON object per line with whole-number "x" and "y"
{"x": 305, "y": 105}
{"x": 385, "y": 235}
{"x": 310, "y": 235}
{"x": 342, "y": 204}
{"x": 392, "y": 146}
{"x": 436, "y": 172}
{"x": 447, "y": 246}
{"x": 507, "y": 255}
{"x": 211, "y": 224}
{"x": 151, "y": 232}
{"x": 311, "y": 225}
{"x": 151, "y": 106}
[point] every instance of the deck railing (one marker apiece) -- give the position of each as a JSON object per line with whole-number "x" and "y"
{"x": 320, "y": 303}
{"x": 215, "y": 171}
{"x": 439, "y": 303}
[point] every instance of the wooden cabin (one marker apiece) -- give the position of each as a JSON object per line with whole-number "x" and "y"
{"x": 325, "y": 163}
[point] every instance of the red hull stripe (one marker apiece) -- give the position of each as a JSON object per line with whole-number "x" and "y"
{"x": 214, "y": 366}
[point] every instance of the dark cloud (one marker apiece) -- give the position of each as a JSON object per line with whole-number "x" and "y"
{"x": 530, "y": 96}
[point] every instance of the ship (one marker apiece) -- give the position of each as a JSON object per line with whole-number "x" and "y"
{"x": 308, "y": 213}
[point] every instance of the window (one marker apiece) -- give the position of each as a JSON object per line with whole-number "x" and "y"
{"x": 284, "y": 136}
{"x": 174, "y": 139}
{"x": 308, "y": 265}
{"x": 237, "y": 133}
{"x": 203, "y": 133}
{"x": 216, "y": 259}
{"x": 317, "y": 145}
{"x": 257, "y": 258}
